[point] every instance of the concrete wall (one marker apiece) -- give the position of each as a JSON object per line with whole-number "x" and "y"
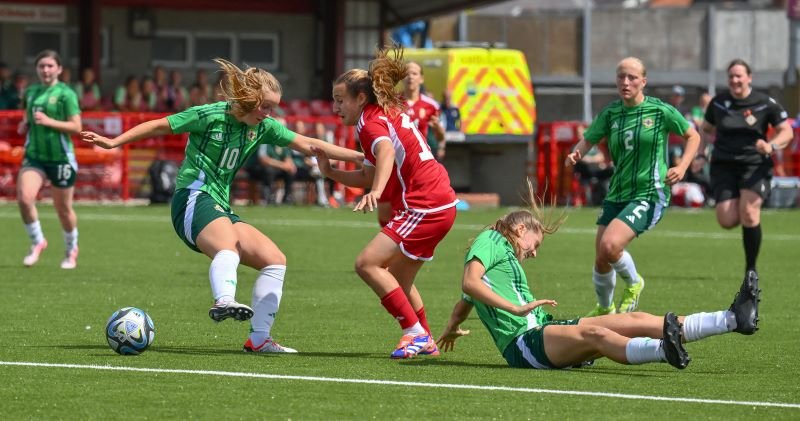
{"x": 131, "y": 56}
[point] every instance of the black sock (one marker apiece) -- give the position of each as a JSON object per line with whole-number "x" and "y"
{"x": 751, "y": 237}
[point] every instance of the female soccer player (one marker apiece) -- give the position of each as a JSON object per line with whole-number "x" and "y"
{"x": 423, "y": 111}
{"x": 51, "y": 116}
{"x": 635, "y": 128}
{"x": 221, "y": 138}
{"x": 424, "y": 203}
{"x": 494, "y": 283}
{"x": 741, "y": 163}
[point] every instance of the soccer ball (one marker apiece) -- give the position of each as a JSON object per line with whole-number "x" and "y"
{"x": 130, "y": 331}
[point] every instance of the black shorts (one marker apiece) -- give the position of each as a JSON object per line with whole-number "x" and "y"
{"x": 728, "y": 178}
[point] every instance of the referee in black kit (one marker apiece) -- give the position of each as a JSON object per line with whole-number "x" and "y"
{"x": 741, "y": 163}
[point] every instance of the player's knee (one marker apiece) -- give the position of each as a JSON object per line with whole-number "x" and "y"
{"x": 595, "y": 334}
{"x": 608, "y": 251}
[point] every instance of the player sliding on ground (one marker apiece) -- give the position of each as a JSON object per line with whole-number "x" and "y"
{"x": 222, "y": 136}
{"x": 495, "y": 284}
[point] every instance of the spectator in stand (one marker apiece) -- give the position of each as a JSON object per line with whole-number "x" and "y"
{"x": 128, "y": 98}
{"x": 6, "y": 86}
{"x": 216, "y": 92}
{"x": 51, "y": 115}
{"x": 450, "y": 118}
{"x": 177, "y": 96}
{"x": 222, "y": 136}
{"x": 693, "y": 190}
{"x": 594, "y": 171}
{"x": 150, "y": 98}
{"x": 676, "y": 98}
{"x": 741, "y": 165}
{"x": 307, "y": 172}
{"x": 88, "y": 90}
{"x": 426, "y": 211}
{"x": 161, "y": 89}
{"x": 696, "y": 117}
{"x": 66, "y": 77}
{"x": 270, "y": 164}
{"x": 15, "y": 96}
{"x": 205, "y": 90}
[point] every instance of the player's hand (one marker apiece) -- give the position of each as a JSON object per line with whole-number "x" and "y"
{"x": 368, "y": 202}
{"x": 674, "y": 175}
{"x": 323, "y": 161}
{"x": 41, "y": 118}
{"x": 572, "y": 158}
{"x": 763, "y": 147}
{"x": 447, "y": 339}
{"x": 523, "y": 310}
{"x": 98, "y": 140}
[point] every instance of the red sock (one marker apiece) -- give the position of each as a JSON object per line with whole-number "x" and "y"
{"x": 423, "y": 319}
{"x": 396, "y": 303}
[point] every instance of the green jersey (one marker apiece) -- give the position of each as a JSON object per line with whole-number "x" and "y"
{"x": 637, "y": 141}
{"x": 504, "y": 275}
{"x": 45, "y": 144}
{"x": 219, "y": 145}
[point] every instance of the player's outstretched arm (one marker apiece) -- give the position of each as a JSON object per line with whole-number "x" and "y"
{"x": 306, "y": 145}
{"x": 145, "y": 130}
{"x": 453, "y": 331}
{"x": 358, "y": 178}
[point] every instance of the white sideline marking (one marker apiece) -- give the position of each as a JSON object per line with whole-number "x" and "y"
{"x": 372, "y": 225}
{"x": 399, "y": 383}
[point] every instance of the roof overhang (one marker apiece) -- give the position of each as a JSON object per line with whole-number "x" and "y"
{"x": 399, "y": 12}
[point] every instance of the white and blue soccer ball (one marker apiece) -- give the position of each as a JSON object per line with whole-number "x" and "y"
{"x": 130, "y": 331}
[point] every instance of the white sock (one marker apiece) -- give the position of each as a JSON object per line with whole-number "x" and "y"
{"x": 702, "y": 325}
{"x": 644, "y": 350}
{"x": 34, "y": 230}
{"x": 267, "y": 293}
{"x": 322, "y": 198}
{"x": 222, "y": 274}
{"x": 604, "y": 287}
{"x": 71, "y": 239}
{"x": 626, "y": 268}
{"x": 415, "y": 330}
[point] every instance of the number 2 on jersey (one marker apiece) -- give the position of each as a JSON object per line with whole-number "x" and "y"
{"x": 426, "y": 153}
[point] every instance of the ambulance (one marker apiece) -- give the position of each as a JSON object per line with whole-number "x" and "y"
{"x": 491, "y": 87}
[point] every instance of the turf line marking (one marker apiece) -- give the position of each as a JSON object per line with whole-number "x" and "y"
{"x": 400, "y": 383}
{"x": 371, "y": 225}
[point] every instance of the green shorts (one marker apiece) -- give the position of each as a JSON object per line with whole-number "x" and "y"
{"x": 192, "y": 210}
{"x": 527, "y": 350}
{"x": 61, "y": 174}
{"x": 640, "y": 215}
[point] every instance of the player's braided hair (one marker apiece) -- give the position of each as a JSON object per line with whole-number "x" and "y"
{"x": 385, "y": 71}
{"x": 534, "y": 219}
{"x": 246, "y": 89}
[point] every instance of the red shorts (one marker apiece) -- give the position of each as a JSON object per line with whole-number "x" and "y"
{"x": 417, "y": 233}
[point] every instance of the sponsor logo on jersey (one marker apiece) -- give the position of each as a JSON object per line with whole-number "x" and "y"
{"x": 648, "y": 122}
{"x": 52, "y": 100}
{"x": 614, "y": 126}
{"x": 218, "y": 208}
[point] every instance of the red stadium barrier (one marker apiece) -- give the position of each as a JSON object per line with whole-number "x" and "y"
{"x": 121, "y": 174}
{"x": 554, "y": 140}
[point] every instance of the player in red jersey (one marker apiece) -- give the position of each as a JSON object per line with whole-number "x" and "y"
{"x": 423, "y": 204}
{"x": 424, "y": 113}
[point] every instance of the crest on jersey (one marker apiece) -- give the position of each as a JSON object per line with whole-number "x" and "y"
{"x": 52, "y": 100}
{"x": 251, "y": 135}
{"x": 727, "y": 104}
{"x": 648, "y": 122}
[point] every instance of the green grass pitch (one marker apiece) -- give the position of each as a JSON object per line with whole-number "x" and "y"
{"x": 196, "y": 369}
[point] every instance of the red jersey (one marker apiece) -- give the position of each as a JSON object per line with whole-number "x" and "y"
{"x": 421, "y": 111}
{"x": 424, "y": 183}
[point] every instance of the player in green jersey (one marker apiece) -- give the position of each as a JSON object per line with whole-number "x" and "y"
{"x": 635, "y": 129}
{"x": 494, "y": 283}
{"x": 222, "y": 136}
{"x": 51, "y": 116}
